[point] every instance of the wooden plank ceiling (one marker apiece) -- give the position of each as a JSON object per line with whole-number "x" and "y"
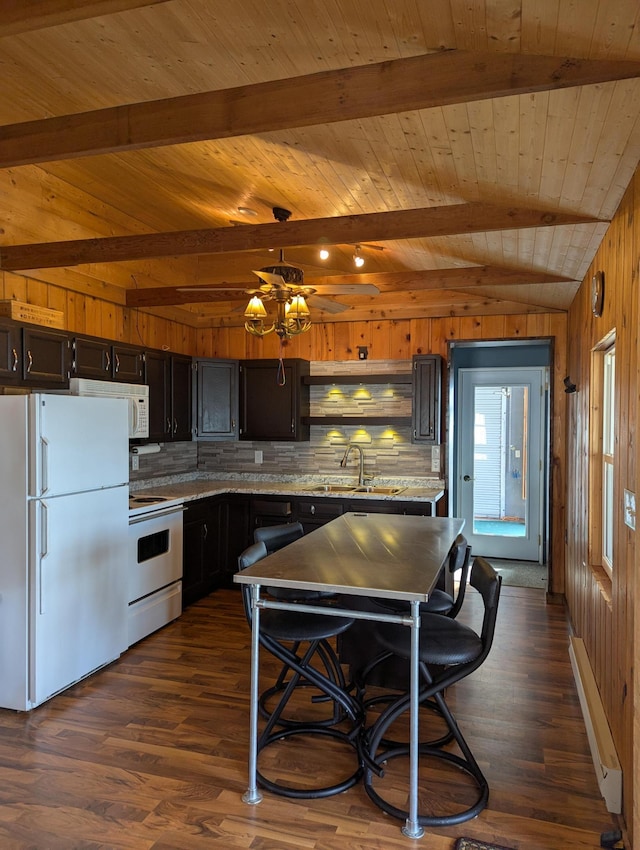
{"x": 474, "y": 150}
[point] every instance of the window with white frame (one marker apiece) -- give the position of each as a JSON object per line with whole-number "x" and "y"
{"x": 608, "y": 449}
{"x": 602, "y": 433}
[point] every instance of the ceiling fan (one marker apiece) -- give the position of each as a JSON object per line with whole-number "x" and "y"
{"x": 283, "y": 283}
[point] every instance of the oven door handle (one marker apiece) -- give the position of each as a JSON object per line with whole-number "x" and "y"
{"x": 176, "y": 509}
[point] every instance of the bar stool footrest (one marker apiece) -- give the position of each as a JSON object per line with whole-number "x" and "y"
{"x": 311, "y": 793}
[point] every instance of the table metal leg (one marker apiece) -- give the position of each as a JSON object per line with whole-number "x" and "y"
{"x": 252, "y": 794}
{"x": 412, "y": 828}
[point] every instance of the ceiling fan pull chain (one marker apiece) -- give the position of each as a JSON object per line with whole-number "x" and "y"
{"x": 281, "y": 377}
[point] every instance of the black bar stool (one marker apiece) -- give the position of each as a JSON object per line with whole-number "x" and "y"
{"x": 283, "y": 634}
{"x": 439, "y": 602}
{"x": 449, "y": 651}
{"x": 276, "y": 537}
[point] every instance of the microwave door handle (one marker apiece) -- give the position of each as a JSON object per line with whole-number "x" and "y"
{"x": 134, "y": 416}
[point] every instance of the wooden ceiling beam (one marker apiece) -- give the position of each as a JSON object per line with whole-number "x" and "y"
{"x": 425, "y": 279}
{"x": 18, "y": 17}
{"x": 399, "y": 85}
{"x": 369, "y": 227}
{"x": 387, "y": 307}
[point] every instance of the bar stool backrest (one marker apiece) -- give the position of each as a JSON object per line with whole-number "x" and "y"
{"x": 251, "y": 555}
{"x": 275, "y": 537}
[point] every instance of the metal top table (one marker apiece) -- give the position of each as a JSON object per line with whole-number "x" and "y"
{"x": 379, "y": 555}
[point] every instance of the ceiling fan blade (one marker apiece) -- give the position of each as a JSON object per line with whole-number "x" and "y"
{"x": 271, "y": 279}
{"x": 345, "y": 288}
{"x": 238, "y": 288}
{"x": 326, "y": 304}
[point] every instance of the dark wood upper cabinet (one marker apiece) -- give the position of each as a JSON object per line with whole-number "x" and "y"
{"x": 169, "y": 380}
{"x": 128, "y": 364}
{"x": 104, "y": 360}
{"x": 180, "y": 368}
{"x": 274, "y": 400}
{"x": 156, "y": 375}
{"x": 46, "y": 357}
{"x": 215, "y": 399}
{"x": 10, "y": 352}
{"x": 427, "y": 395}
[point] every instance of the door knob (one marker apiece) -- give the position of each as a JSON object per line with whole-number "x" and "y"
{"x": 467, "y": 478}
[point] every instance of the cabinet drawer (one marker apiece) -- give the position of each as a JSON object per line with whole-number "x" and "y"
{"x": 319, "y": 509}
{"x": 265, "y": 507}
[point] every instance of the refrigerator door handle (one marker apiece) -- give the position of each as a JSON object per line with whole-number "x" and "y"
{"x": 44, "y": 551}
{"x": 44, "y": 457}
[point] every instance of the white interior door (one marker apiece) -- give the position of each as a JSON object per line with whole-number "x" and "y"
{"x": 500, "y": 447}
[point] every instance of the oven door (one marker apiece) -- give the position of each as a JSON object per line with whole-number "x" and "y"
{"x": 155, "y": 546}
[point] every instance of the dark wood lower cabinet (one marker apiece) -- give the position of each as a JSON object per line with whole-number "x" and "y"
{"x": 234, "y": 535}
{"x": 218, "y": 529}
{"x": 215, "y": 531}
{"x": 199, "y": 568}
{"x": 313, "y": 513}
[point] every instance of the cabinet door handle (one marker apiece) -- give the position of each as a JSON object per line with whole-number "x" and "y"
{"x": 206, "y": 531}
{"x": 312, "y": 510}
{"x": 14, "y": 368}
{"x": 30, "y": 359}
{"x": 175, "y": 426}
{"x": 168, "y": 428}
{"x": 107, "y": 368}
{"x": 117, "y": 364}
{"x": 293, "y": 426}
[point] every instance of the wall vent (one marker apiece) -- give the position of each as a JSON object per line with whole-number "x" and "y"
{"x": 603, "y": 752}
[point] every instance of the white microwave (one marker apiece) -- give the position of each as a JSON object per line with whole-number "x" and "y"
{"x": 136, "y": 394}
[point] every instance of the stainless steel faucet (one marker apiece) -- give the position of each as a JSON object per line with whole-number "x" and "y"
{"x": 343, "y": 462}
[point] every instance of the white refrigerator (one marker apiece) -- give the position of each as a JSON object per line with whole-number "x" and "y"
{"x": 63, "y": 541}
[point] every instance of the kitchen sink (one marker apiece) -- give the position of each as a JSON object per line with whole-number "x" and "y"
{"x": 382, "y": 491}
{"x": 333, "y": 488}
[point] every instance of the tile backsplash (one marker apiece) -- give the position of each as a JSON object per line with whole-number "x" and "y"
{"x": 388, "y": 451}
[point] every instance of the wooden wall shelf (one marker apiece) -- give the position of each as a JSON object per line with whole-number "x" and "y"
{"x": 356, "y": 420}
{"x": 402, "y": 378}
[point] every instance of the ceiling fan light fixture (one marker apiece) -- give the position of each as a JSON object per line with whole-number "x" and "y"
{"x": 292, "y": 317}
{"x": 324, "y": 254}
{"x": 358, "y": 259}
{"x": 297, "y": 308}
{"x": 255, "y": 309}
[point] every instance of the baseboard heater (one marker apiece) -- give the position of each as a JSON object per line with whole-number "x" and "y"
{"x": 603, "y": 751}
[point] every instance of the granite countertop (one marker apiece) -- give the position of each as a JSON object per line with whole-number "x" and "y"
{"x": 191, "y": 487}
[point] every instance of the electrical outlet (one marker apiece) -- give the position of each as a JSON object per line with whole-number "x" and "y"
{"x": 435, "y": 458}
{"x": 257, "y": 456}
{"x": 135, "y": 462}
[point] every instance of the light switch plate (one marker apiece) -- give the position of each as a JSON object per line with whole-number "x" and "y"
{"x": 630, "y": 509}
{"x": 435, "y": 458}
{"x": 257, "y": 456}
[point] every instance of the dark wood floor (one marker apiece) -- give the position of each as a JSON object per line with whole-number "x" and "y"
{"x": 151, "y": 752}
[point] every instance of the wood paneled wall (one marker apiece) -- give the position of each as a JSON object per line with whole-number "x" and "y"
{"x": 88, "y": 312}
{"x": 604, "y": 612}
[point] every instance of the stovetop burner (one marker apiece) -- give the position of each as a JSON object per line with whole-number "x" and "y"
{"x": 146, "y": 500}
